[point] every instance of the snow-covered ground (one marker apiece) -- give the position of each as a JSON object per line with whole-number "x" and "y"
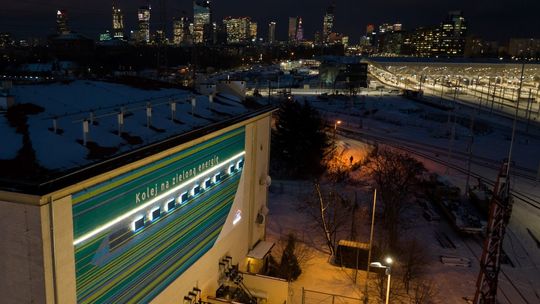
{"x": 423, "y": 131}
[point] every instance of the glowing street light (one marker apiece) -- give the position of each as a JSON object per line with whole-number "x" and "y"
{"x": 338, "y": 122}
{"x": 388, "y": 271}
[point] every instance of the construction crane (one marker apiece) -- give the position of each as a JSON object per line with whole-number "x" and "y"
{"x": 499, "y": 215}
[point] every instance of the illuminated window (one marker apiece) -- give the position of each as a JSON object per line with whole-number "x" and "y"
{"x": 240, "y": 164}
{"x": 207, "y": 183}
{"x": 154, "y": 214}
{"x": 216, "y": 178}
{"x": 137, "y": 224}
{"x": 195, "y": 190}
{"x": 169, "y": 205}
{"x": 182, "y": 199}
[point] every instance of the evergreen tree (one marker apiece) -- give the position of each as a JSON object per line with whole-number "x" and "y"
{"x": 289, "y": 267}
{"x": 299, "y": 141}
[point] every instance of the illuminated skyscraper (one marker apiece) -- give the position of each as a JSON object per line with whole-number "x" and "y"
{"x": 328, "y": 23}
{"x": 253, "y": 31}
{"x": 201, "y": 19}
{"x": 61, "y": 22}
{"x": 238, "y": 29}
{"x": 296, "y": 30}
{"x": 299, "y": 30}
{"x": 272, "y": 32}
{"x": 180, "y": 30}
{"x": 293, "y": 21}
{"x": 144, "y": 23}
{"x": 118, "y": 23}
{"x": 453, "y": 32}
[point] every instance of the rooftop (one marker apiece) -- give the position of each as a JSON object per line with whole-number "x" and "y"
{"x": 43, "y": 138}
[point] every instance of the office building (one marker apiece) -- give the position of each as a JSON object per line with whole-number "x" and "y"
{"x": 253, "y": 31}
{"x": 143, "y": 16}
{"x": 272, "y": 32}
{"x": 328, "y": 23}
{"x": 117, "y": 23}
{"x": 238, "y": 29}
{"x": 527, "y": 48}
{"x": 62, "y": 22}
{"x": 293, "y": 29}
{"x": 180, "y": 30}
{"x": 202, "y": 20}
{"x": 453, "y": 34}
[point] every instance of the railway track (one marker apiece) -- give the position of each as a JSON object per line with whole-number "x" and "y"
{"x": 431, "y": 155}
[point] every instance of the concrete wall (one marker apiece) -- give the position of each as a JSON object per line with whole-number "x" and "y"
{"x": 22, "y": 268}
{"x": 275, "y": 291}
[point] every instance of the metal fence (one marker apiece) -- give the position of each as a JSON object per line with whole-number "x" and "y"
{"x": 317, "y": 297}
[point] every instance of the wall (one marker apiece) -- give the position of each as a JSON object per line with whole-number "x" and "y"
{"x": 22, "y": 269}
{"x": 276, "y": 291}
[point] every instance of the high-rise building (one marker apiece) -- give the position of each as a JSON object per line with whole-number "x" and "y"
{"x": 453, "y": 32}
{"x": 299, "y": 30}
{"x": 144, "y": 24}
{"x": 272, "y": 32}
{"x": 180, "y": 30}
{"x": 61, "y": 22}
{"x": 117, "y": 23}
{"x": 202, "y": 19}
{"x": 328, "y": 23}
{"x": 524, "y": 48}
{"x": 397, "y": 27}
{"x": 238, "y": 29}
{"x": 253, "y": 31}
{"x": 293, "y": 27}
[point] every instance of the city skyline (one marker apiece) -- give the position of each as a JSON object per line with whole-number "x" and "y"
{"x": 350, "y": 18}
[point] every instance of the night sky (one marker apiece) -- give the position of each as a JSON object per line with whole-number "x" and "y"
{"x": 490, "y": 19}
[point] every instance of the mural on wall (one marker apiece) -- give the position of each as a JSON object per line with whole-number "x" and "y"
{"x": 138, "y": 232}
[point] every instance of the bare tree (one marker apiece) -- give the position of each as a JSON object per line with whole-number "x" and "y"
{"x": 330, "y": 211}
{"x": 424, "y": 292}
{"x": 412, "y": 262}
{"x": 396, "y": 174}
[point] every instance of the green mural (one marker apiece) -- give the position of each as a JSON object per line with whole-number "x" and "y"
{"x": 138, "y": 232}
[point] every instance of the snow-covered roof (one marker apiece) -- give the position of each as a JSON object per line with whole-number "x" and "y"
{"x": 68, "y": 105}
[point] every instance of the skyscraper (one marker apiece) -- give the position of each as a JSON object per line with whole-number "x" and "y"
{"x": 144, "y": 24}
{"x": 61, "y": 22}
{"x": 253, "y": 31}
{"x": 293, "y": 22}
{"x": 180, "y": 30}
{"x": 299, "y": 30}
{"x": 328, "y": 23}
{"x": 238, "y": 29}
{"x": 117, "y": 23}
{"x": 201, "y": 19}
{"x": 453, "y": 32}
{"x": 272, "y": 32}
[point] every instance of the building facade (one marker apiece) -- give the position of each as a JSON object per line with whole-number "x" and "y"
{"x": 143, "y": 17}
{"x": 117, "y": 23}
{"x": 272, "y": 32}
{"x": 202, "y": 20}
{"x": 328, "y": 24}
{"x": 153, "y": 228}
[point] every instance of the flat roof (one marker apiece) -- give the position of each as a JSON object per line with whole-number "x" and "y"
{"x": 37, "y": 160}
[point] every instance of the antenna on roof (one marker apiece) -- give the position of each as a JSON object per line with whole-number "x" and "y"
{"x": 148, "y": 115}
{"x": 85, "y": 131}
{"x": 173, "y": 109}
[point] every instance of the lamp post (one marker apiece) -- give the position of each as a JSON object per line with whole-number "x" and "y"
{"x": 388, "y": 271}
{"x": 338, "y": 122}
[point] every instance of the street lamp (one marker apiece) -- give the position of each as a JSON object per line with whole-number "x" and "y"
{"x": 338, "y": 122}
{"x": 388, "y": 271}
